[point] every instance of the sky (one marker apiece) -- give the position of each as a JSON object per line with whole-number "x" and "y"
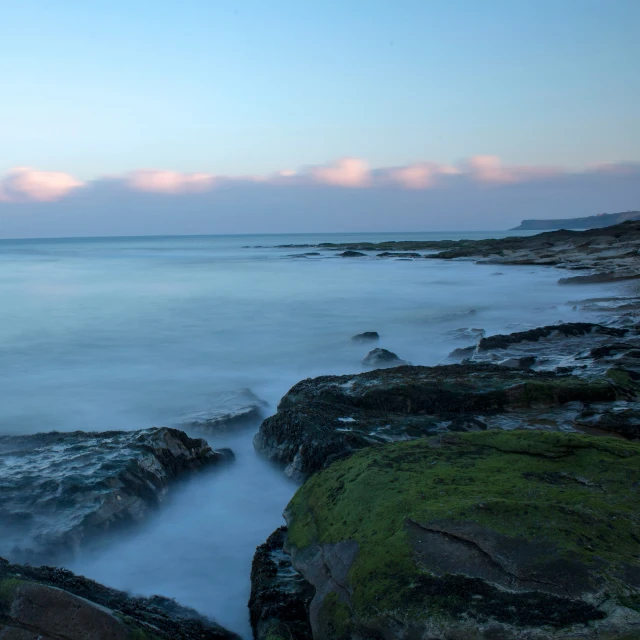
{"x": 217, "y": 112}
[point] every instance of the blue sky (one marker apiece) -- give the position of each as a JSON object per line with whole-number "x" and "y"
{"x": 249, "y": 87}
{"x": 97, "y": 90}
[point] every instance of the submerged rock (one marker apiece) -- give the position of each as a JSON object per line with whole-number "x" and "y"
{"x": 230, "y": 410}
{"x": 352, "y": 254}
{"x": 323, "y": 419}
{"x": 367, "y": 336}
{"x": 280, "y": 596}
{"x": 46, "y": 603}
{"x": 512, "y": 535}
{"x": 382, "y": 358}
{"x": 60, "y": 489}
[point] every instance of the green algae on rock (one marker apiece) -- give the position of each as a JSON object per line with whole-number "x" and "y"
{"x": 323, "y": 419}
{"x": 507, "y": 534}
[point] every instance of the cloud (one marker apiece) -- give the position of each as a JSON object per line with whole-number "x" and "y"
{"x": 346, "y": 172}
{"x": 24, "y": 184}
{"x": 422, "y": 175}
{"x": 490, "y": 170}
{"x": 158, "y": 181}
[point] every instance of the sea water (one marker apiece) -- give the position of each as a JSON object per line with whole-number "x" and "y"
{"x": 127, "y": 333}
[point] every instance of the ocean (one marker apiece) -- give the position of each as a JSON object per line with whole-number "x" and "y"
{"x": 127, "y": 333}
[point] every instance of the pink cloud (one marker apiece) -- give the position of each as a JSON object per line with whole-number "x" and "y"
{"x": 25, "y": 184}
{"x": 490, "y": 170}
{"x": 346, "y": 172}
{"x": 422, "y": 175}
{"x": 158, "y": 181}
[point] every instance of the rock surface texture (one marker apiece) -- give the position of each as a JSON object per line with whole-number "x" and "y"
{"x": 280, "y": 596}
{"x": 231, "y": 410}
{"x": 476, "y": 536}
{"x": 46, "y": 603}
{"x": 60, "y": 489}
{"x": 324, "y": 419}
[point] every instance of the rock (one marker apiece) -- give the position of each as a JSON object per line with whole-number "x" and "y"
{"x": 462, "y": 353}
{"x": 367, "y": 336}
{"x": 352, "y": 254}
{"x": 382, "y": 358}
{"x": 280, "y": 596}
{"x": 47, "y": 603}
{"x": 324, "y": 419}
{"x": 609, "y": 276}
{"x": 525, "y": 362}
{"x": 569, "y": 329}
{"x": 60, "y": 489}
{"x": 230, "y": 410}
{"x": 488, "y": 535}
{"x": 398, "y": 254}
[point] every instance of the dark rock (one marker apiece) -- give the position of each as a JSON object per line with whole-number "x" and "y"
{"x": 367, "y": 336}
{"x": 47, "y": 603}
{"x": 492, "y": 535}
{"x": 280, "y": 596}
{"x": 609, "y": 276}
{"x": 230, "y": 410}
{"x": 351, "y": 254}
{"x": 324, "y": 419}
{"x": 462, "y": 353}
{"x": 61, "y": 489}
{"x": 525, "y": 362}
{"x": 398, "y": 254}
{"x": 382, "y": 358}
{"x": 568, "y": 329}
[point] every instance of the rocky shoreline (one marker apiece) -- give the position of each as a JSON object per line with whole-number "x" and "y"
{"x": 495, "y": 496}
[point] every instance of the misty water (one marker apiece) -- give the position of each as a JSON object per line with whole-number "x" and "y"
{"x": 127, "y": 333}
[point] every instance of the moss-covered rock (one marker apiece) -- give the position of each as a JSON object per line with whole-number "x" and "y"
{"x": 323, "y": 419}
{"x": 496, "y": 534}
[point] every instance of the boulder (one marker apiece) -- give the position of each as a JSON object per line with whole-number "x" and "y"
{"x": 61, "y": 489}
{"x": 280, "y": 596}
{"x": 367, "y": 336}
{"x": 46, "y": 603}
{"x": 324, "y": 419}
{"x": 230, "y": 410}
{"x": 511, "y": 535}
{"x": 380, "y": 358}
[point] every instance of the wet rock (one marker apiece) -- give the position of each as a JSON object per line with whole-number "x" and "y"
{"x": 609, "y": 276}
{"x": 280, "y": 596}
{"x": 398, "y": 254}
{"x": 569, "y": 329}
{"x": 382, "y": 358}
{"x": 325, "y": 419}
{"x": 462, "y": 353}
{"x": 61, "y": 489}
{"x": 488, "y": 535}
{"x": 352, "y": 254}
{"x": 525, "y": 362}
{"x": 367, "y": 336}
{"x": 230, "y": 410}
{"x": 48, "y": 603}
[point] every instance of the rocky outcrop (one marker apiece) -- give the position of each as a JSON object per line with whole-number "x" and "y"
{"x": 46, "y": 603}
{"x": 367, "y": 336}
{"x": 610, "y": 253}
{"x": 280, "y": 596}
{"x": 324, "y": 419}
{"x": 512, "y": 535}
{"x": 231, "y": 410}
{"x": 381, "y": 358}
{"x": 352, "y": 254}
{"x": 61, "y": 489}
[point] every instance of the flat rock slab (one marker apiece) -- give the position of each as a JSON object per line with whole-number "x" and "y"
{"x": 500, "y": 534}
{"x": 47, "y": 603}
{"x": 230, "y": 410}
{"x": 323, "y": 419}
{"x": 60, "y": 489}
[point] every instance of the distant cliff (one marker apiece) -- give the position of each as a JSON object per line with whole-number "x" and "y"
{"x": 590, "y": 222}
